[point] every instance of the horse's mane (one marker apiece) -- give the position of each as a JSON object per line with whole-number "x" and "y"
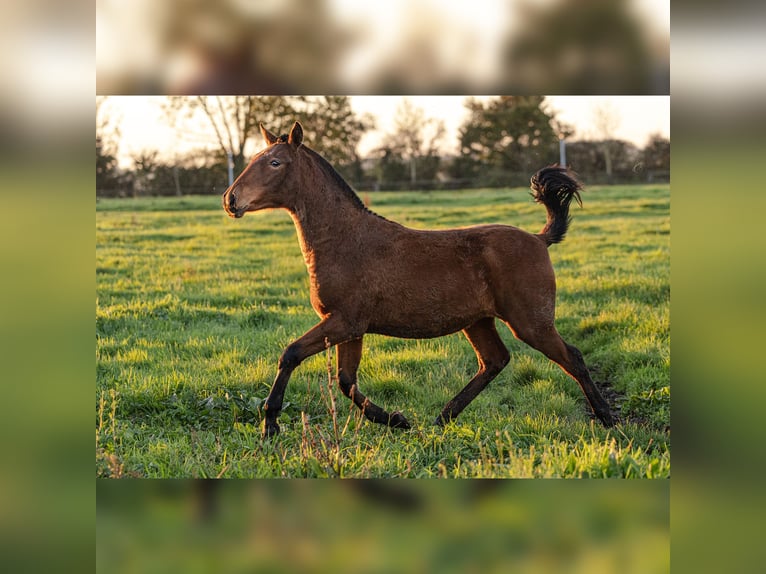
{"x": 346, "y": 189}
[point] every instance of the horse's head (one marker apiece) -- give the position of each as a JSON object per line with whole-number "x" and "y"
{"x": 265, "y": 182}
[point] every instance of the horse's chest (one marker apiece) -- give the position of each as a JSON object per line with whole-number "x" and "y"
{"x": 333, "y": 281}
{"x": 326, "y": 291}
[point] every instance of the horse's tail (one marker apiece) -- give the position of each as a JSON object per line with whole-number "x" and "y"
{"x": 555, "y": 186}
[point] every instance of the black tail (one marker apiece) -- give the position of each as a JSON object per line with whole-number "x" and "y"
{"x": 555, "y": 186}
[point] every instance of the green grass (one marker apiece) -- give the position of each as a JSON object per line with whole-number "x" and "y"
{"x": 193, "y": 310}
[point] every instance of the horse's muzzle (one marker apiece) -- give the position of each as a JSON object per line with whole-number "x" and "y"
{"x": 229, "y": 201}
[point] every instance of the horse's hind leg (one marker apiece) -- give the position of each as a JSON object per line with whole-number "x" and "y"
{"x": 548, "y": 341}
{"x": 492, "y": 356}
{"x": 349, "y": 355}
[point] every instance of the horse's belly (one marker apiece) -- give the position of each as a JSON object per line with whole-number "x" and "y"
{"x": 426, "y": 321}
{"x": 417, "y": 331}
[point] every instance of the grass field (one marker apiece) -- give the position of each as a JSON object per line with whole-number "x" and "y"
{"x": 193, "y": 310}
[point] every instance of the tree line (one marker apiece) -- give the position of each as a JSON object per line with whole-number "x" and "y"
{"x": 502, "y": 141}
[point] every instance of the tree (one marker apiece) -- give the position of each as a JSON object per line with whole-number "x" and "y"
{"x": 332, "y": 128}
{"x": 606, "y": 121}
{"x": 329, "y": 123}
{"x": 415, "y": 141}
{"x": 145, "y": 167}
{"x": 232, "y": 119}
{"x": 107, "y": 136}
{"x": 390, "y": 169}
{"x": 509, "y": 134}
{"x": 587, "y": 159}
{"x": 657, "y": 155}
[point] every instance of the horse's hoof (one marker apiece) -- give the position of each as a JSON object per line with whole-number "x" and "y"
{"x": 607, "y": 419}
{"x": 270, "y": 430}
{"x": 397, "y": 421}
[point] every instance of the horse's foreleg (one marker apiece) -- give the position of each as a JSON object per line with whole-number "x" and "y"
{"x": 349, "y": 355}
{"x": 492, "y": 356}
{"x": 329, "y": 332}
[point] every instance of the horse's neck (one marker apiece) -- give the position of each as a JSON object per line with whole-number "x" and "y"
{"x": 325, "y": 217}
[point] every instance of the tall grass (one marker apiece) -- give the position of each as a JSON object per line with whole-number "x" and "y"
{"x": 193, "y": 310}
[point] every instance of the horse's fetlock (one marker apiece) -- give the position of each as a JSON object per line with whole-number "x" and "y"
{"x": 270, "y": 429}
{"x": 345, "y": 382}
{"x": 271, "y": 408}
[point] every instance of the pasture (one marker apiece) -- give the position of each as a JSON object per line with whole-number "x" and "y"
{"x": 193, "y": 310}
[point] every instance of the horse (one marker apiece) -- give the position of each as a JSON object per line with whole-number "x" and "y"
{"x": 369, "y": 274}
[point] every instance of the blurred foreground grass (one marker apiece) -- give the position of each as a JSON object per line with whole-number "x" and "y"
{"x": 383, "y": 526}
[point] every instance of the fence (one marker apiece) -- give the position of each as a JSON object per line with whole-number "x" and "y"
{"x": 510, "y": 179}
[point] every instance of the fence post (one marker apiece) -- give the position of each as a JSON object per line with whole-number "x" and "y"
{"x": 562, "y": 152}
{"x": 175, "y": 179}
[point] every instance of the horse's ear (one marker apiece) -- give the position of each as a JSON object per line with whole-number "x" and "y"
{"x": 296, "y": 135}
{"x": 267, "y": 135}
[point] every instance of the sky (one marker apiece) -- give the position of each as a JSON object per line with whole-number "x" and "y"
{"x": 142, "y": 126}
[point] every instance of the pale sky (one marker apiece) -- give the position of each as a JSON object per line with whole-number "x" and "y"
{"x": 142, "y": 125}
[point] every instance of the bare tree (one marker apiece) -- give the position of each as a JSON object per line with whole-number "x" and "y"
{"x": 605, "y": 123}
{"x": 107, "y": 146}
{"x": 107, "y": 126}
{"x": 415, "y": 138}
{"x": 330, "y": 124}
{"x": 233, "y": 120}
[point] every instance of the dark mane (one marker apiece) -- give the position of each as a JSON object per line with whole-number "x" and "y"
{"x": 337, "y": 178}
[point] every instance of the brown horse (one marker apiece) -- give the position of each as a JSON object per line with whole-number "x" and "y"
{"x": 372, "y": 275}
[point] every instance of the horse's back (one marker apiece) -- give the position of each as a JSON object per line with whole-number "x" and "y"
{"x": 429, "y": 283}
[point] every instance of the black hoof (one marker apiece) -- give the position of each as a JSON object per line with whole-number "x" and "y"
{"x": 270, "y": 430}
{"x": 607, "y": 420}
{"x": 439, "y": 421}
{"x": 397, "y": 421}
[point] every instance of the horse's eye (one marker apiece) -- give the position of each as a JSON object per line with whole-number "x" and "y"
{"x": 274, "y": 163}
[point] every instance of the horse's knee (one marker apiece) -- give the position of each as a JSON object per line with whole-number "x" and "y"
{"x": 290, "y": 358}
